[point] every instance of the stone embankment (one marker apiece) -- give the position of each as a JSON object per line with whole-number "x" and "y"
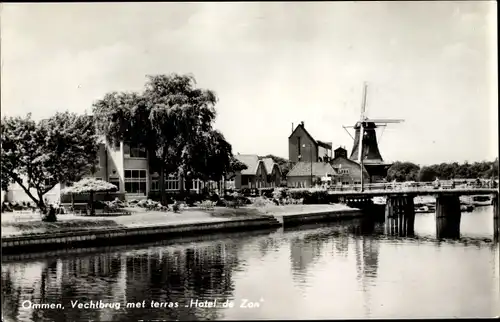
{"x": 26, "y": 233}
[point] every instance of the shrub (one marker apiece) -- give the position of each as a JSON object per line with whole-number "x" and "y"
{"x": 207, "y": 205}
{"x": 267, "y": 192}
{"x": 214, "y": 197}
{"x": 99, "y": 204}
{"x": 299, "y": 193}
{"x": 154, "y": 195}
{"x": 262, "y": 202}
{"x": 246, "y": 192}
{"x": 280, "y": 193}
{"x": 311, "y": 196}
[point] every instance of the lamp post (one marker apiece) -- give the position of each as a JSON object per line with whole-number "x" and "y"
{"x": 311, "y": 153}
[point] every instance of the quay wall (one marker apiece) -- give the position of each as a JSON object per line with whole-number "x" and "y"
{"x": 104, "y": 237}
{"x": 107, "y": 236}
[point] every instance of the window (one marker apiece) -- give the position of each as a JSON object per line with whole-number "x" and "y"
{"x": 137, "y": 152}
{"x": 155, "y": 185}
{"x": 344, "y": 171}
{"x": 298, "y": 146}
{"x": 172, "y": 182}
{"x": 135, "y": 181}
{"x": 134, "y": 151}
{"x": 49, "y": 182}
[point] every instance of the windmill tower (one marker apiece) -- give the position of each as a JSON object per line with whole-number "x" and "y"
{"x": 365, "y": 149}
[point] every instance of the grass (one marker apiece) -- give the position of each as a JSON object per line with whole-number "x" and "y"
{"x": 143, "y": 217}
{"x": 222, "y": 212}
{"x": 62, "y": 225}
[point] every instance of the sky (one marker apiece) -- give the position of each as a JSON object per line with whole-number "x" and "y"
{"x": 433, "y": 64}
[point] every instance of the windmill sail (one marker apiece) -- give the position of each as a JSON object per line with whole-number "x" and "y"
{"x": 365, "y": 149}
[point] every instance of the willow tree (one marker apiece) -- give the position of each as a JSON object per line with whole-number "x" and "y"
{"x": 167, "y": 119}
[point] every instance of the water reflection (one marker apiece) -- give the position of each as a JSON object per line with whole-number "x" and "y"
{"x": 340, "y": 270}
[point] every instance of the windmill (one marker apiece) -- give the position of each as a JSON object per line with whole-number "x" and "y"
{"x": 365, "y": 149}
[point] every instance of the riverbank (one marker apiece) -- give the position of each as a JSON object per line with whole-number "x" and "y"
{"x": 27, "y": 232}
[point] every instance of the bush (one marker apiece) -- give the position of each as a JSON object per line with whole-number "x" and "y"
{"x": 154, "y": 195}
{"x": 299, "y": 193}
{"x": 262, "y": 202}
{"x": 99, "y": 204}
{"x": 311, "y": 196}
{"x": 191, "y": 199}
{"x": 267, "y": 192}
{"x": 246, "y": 192}
{"x": 280, "y": 193}
{"x": 207, "y": 205}
{"x": 214, "y": 197}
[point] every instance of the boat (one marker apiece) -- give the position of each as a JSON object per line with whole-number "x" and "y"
{"x": 422, "y": 209}
{"x": 466, "y": 207}
{"x": 379, "y": 200}
{"x": 484, "y": 200}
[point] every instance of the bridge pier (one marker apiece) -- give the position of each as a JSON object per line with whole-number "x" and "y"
{"x": 496, "y": 226}
{"x": 448, "y": 216}
{"x": 400, "y": 215}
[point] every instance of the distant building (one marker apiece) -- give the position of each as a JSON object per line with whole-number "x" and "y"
{"x": 348, "y": 171}
{"x": 260, "y": 173}
{"x": 300, "y": 175}
{"x": 273, "y": 170}
{"x": 303, "y": 147}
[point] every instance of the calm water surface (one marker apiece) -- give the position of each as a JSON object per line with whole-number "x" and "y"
{"x": 340, "y": 270}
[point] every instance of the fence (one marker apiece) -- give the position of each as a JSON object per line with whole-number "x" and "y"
{"x": 416, "y": 186}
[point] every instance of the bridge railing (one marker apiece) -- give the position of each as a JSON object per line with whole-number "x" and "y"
{"x": 410, "y": 186}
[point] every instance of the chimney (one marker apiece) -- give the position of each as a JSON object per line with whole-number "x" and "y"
{"x": 302, "y": 123}
{"x": 292, "y": 127}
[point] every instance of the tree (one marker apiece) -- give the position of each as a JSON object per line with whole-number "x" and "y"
{"x": 212, "y": 158}
{"x": 427, "y": 174}
{"x": 172, "y": 119}
{"x": 38, "y": 155}
{"x": 403, "y": 171}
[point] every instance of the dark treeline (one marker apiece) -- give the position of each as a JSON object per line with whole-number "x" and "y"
{"x": 407, "y": 171}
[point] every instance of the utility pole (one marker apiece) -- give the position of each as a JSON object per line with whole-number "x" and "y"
{"x": 361, "y": 131}
{"x": 310, "y": 148}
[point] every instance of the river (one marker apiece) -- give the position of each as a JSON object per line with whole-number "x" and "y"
{"x": 340, "y": 270}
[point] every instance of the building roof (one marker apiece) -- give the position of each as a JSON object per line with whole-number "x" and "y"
{"x": 301, "y": 125}
{"x": 303, "y": 169}
{"x": 269, "y": 164}
{"x": 338, "y": 161}
{"x": 323, "y": 144}
{"x": 251, "y": 161}
{"x": 326, "y": 145}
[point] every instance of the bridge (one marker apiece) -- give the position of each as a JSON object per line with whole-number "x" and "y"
{"x": 400, "y": 207}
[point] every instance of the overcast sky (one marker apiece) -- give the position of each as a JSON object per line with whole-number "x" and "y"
{"x": 433, "y": 64}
